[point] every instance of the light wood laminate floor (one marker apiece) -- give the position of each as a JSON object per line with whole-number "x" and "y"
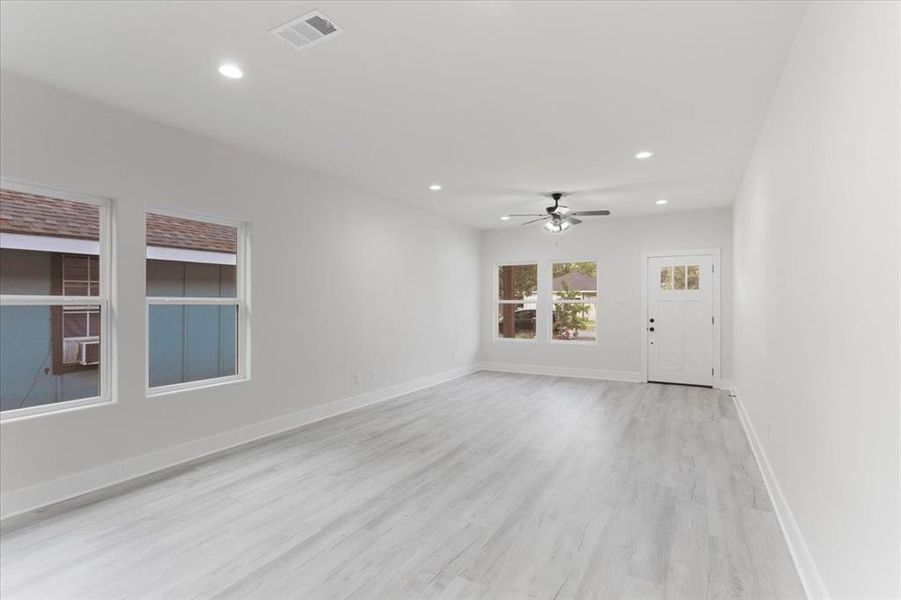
{"x": 490, "y": 486}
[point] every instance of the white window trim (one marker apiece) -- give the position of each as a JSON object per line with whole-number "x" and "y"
{"x": 497, "y": 337}
{"x": 241, "y": 300}
{"x": 551, "y": 302}
{"x": 106, "y": 367}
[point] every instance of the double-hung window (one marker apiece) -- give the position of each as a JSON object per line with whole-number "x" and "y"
{"x": 517, "y": 301}
{"x": 54, "y": 300}
{"x": 196, "y": 307}
{"x": 574, "y": 301}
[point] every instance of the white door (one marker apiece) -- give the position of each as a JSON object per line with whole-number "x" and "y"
{"x": 680, "y": 321}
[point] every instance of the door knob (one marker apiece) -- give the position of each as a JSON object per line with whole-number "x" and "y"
{"x": 652, "y": 320}
{"x": 650, "y": 329}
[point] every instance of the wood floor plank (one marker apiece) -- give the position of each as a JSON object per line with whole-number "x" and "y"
{"x": 490, "y": 486}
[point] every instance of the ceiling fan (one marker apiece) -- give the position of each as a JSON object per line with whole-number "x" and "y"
{"x": 559, "y": 218}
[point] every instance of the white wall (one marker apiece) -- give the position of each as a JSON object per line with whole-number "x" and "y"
{"x": 342, "y": 281}
{"x": 816, "y": 290}
{"x": 617, "y": 245}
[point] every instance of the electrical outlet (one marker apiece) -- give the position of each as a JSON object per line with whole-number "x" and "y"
{"x": 373, "y": 374}
{"x": 358, "y": 378}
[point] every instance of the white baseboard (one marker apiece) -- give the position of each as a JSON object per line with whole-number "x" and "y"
{"x": 810, "y": 577}
{"x": 631, "y": 376}
{"x": 31, "y": 498}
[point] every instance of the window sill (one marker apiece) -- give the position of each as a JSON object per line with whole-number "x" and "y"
{"x": 574, "y": 342}
{"x": 517, "y": 340}
{"x": 166, "y": 390}
{"x": 30, "y": 412}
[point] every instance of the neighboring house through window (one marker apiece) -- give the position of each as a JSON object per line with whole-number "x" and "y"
{"x": 195, "y": 297}
{"x": 53, "y": 299}
{"x": 574, "y": 301}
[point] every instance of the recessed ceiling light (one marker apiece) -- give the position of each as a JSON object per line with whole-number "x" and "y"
{"x": 435, "y": 187}
{"x": 231, "y": 71}
{"x": 661, "y": 202}
{"x": 505, "y": 218}
{"x": 644, "y": 154}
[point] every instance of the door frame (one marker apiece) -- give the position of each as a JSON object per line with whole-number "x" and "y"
{"x": 714, "y": 253}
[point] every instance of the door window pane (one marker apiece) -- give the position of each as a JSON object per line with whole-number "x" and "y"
{"x": 29, "y": 348}
{"x": 693, "y": 277}
{"x": 679, "y": 277}
{"x": 516, "y": 321}
{"x": 666, "y": 278}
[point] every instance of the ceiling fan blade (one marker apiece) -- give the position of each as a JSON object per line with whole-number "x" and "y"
{"x": 573, "y": 220}
{"x": 591, "y": 213}
{"x": 528, "y": 215}
{"x": 534, "y": 221}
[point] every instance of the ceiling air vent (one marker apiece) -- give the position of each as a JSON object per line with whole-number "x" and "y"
{"x": 306, "y": 31}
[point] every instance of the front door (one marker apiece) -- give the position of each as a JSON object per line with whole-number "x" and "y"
{"x": 680, "y": 319}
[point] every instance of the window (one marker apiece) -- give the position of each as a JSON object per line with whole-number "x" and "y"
{"x": 517, "y": 297}
{"x": 574, "y": 301}
{"x": 680, "y": 277}
{"x": 75, "y": 329}
{"x": 54, "y": 300}
{"x": 196, "y": 311}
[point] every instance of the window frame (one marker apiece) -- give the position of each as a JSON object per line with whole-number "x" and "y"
{"x": 549, "y": 328}
{"x": 240, "y": 301}
{"x": 103, "y": 300}
{"x": 496, "y": 336}
{"x": 58, "y": 318}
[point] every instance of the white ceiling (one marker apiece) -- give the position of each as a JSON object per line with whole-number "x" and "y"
{"x": 495, "y": 101}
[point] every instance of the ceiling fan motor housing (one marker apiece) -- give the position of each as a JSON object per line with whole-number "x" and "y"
{"x": 552, "y": 210}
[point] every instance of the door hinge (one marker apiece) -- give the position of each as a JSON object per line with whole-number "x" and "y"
{"x": 713, "y": 319}
{"x": 712, "y": 268}
{"x": 711, "y": 372}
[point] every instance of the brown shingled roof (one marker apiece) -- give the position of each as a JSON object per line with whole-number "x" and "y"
{"x": 575, "y": 280}
{"x": 30, "y": 214}
{"x": 38, "y": 215}
{"x": 173, "y": 232}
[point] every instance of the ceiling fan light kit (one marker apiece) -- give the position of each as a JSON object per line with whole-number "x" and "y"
{"x": 559, "y": 218}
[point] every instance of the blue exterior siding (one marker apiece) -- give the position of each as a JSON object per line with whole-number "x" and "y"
{"x": 186, "y": 343}
{"x": 26, "y": 377}
{"x": 190, "y": 343}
